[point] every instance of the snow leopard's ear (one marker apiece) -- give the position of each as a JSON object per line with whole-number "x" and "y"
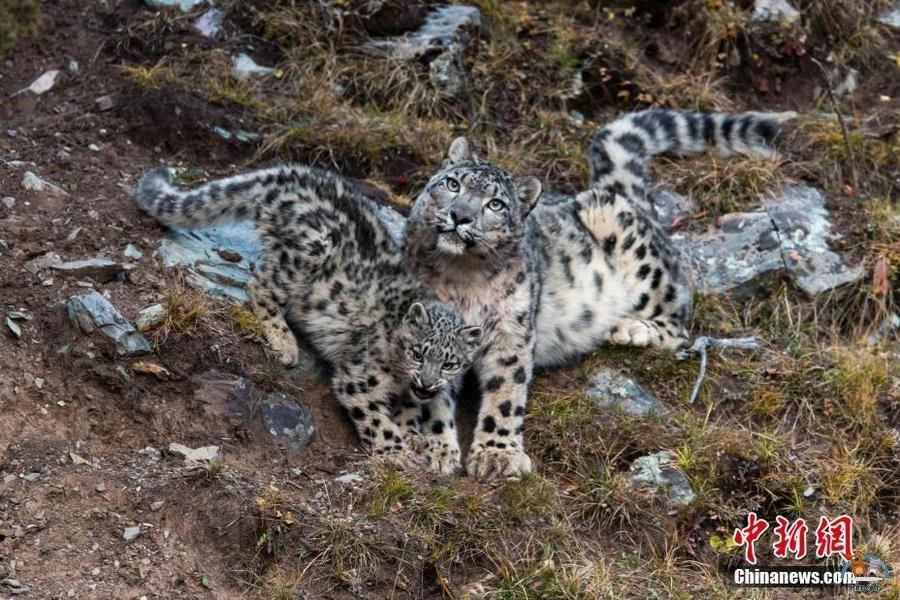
{"x": 458, "y": 152}
{"x": 528, "y": 190}
{"x": 417, "y": 315}
{"x": 470, "y": 338}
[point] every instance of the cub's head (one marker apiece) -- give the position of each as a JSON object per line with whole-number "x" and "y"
{"x": 435, "y": 347}
{"x": 471, "y": 207}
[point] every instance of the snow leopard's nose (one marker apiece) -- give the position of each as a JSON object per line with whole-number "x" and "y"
{"x": 459, "y": 218}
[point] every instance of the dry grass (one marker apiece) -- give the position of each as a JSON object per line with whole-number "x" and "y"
{"x": 189, "y": 312}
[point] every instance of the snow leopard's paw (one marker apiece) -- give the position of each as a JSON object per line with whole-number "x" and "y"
{"x": 441, "y": 454}
{"x": 489, "y": 462}
{"x": 403, "y": 458}
{"x": 285, "y": 346}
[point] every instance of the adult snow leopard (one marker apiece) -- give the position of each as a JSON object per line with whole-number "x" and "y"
{"x": 330, "y": 265}
{"x": 555, "y": 279}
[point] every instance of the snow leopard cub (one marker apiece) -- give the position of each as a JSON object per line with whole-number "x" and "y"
{"x": 331, "y": 267}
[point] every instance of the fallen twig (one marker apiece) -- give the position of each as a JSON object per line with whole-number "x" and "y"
{"x": 840, "y": 117}
{"x": 702, "y": 343}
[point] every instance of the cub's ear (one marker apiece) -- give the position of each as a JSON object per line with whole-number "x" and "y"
{"x": 458, "y": 152}
{"x": 470, "y": 338}
{"x": 528, "y": 190}
{"x": 417, "y": 315}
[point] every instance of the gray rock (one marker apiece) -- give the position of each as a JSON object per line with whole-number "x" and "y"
{"x": 659, "y": 473}
{"x": 890, "y": 327}
{"x": 132, "y": 251}
{"x": 104, "y": 103}
{"x": 613, "y": 389}
{"x": 13, "y": 328}
{"x": 150, "y": 317}
{"x": 789, "y": 233}
{"x": 774, "y": 10}
{"x": 195, "y": 250}
{"x": 210, "y": 22}
{"x": 892, "y": 17}
{"x": 290, "y": 423}
{"x": 446, "y": 72}
{"x": 444, "y": 25}
{"x": 131, "y": 533}
{"x": 8, "y": 201}
{"x": 801, "y": 219}
{"x": 100, "y": 269}
{"x": 184, "y": 5}
{"x": 32, "y": 182}
{"x": 735, "y": 258}
{"x": 205, "y": 454}
{"x": 36, "y": 265}
{"x": 242, "y": 66}
{"x": 91, "y": 311}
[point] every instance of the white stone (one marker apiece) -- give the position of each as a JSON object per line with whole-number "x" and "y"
{"x": 774, "y": 10}
{"x": 243, "y": 67}
{"x": 42, "y": 84}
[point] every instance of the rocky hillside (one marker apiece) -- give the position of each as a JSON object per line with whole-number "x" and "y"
{"x": 150, "y": 446}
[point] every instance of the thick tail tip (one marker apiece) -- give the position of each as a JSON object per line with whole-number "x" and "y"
{"x": 151, "y": 185}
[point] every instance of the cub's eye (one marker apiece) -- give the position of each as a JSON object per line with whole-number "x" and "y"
{"x": 496, "y": 205}
{"x": 452, "y": 184}
{"x": 416, "y": 355}
{"x": 449, "y": 365}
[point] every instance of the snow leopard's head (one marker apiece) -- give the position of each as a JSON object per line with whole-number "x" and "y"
{"x": 471, "y": 207}
{"x": 435, "y": 348}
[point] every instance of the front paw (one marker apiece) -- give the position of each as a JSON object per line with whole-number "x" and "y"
{"x": 442, "y": 456}
{"x": 403, "y": 458}
{"x": 285, "y": 346}
{"x": 489, "y": 462}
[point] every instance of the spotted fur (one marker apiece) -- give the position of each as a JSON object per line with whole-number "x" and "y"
{"x": 556, "y": 280}
{"x": 331, "y": 268}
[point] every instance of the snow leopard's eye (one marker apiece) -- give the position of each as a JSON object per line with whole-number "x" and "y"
{"x": 496, "y": 205}
{"x": 415, "y": 355}
{"x": 452, "y": 184}
{"x": 450, "y": 365}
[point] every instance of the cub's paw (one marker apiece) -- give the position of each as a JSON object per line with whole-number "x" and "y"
{"x": 442, "y": 456}
{"x": 285, "y": 346}
{"x": 635, "y": 333}
{"x": 403, "y": 458}
{"x": 489, "y": 462}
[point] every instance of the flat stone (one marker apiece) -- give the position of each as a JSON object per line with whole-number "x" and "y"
{"x": 801, "y": 219}
{"x": 242, "y": 66}
{"x": 774, "y": 10}
{"x": 184, "y": 5}
{"x": 100, "y": 269}
{"x": 444, "y": 25}
{"x": 735, "y": 258}
{"x": 42, "y": 84}
{"x": 349, "y": 478}
{"x": 150, "y": 317}
{"x": 610, "y": 389}
{"x": 210, "y": 22}
{"x": 195, "y": 455}
{"x": 659, "y": 473}
{"x": 290, "y": 423}
{"x": 8, "y": 201}
{"x": 90, "y": 311}
{"x": 36, "y": 265}
{"x": 789, "y": 234}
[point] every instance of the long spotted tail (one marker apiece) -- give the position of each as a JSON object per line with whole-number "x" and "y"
{"x": 227, "y": 199}
{"x": 620, "y": 151}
